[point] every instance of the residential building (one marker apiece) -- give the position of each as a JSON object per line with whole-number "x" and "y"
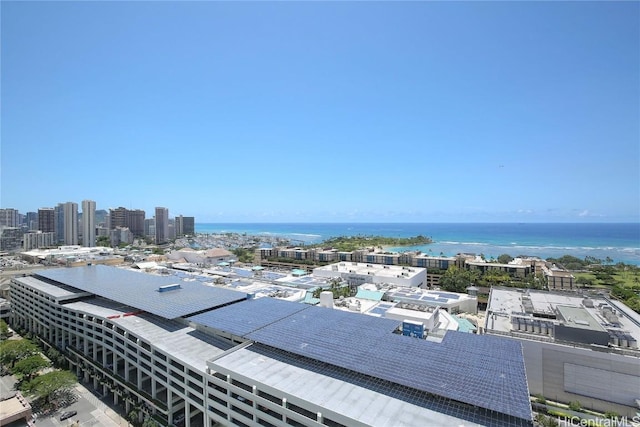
{"x": 150, "y": 227}
{"x": 70, "y": 221}
{"x": 47, "y": 220}
{"x": 38, "y": 239}
{"x": 201, "y": 355}
{"x": 9, "y": 217}
{"x": 185, "y": 226}
{"x": 162, "y": 225}
{"x": 31, "y": 220}
{"x": 59, "y": 218}
{"x": 88, "y": 223}
{"x": 117, "y": 217}
{"x": 135, "y": 222}
{"x": 10, "y": 238}
{"x": 132, "y": 219}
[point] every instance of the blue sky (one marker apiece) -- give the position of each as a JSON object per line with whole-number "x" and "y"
{"x": 325, "y": 111}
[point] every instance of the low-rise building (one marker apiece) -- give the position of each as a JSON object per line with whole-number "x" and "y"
{"x": 576, "y": 347}
{"x": 356, "y": 274}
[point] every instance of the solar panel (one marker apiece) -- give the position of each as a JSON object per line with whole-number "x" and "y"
{"x": 247, "y": 316}
{"x": 417, "y": 397}
{"x": 485, "y": 371}
{"x": 143, "y": 291}
{"x": 446, "y": 295}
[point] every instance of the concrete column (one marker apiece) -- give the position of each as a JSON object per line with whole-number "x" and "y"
{"x": 154, "y": 388}
{"x": 126, "y": 369}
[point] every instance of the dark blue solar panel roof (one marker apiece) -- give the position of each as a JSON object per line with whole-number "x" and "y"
{"x": 485, "y": 371}
{"x": 447, "y": 295}
{"x": 248, "y": 316}
{"x": 140, "y": 290}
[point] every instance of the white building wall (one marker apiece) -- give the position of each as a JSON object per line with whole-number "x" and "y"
{"x": 555, "y": 370}
{"x": 88, "y": 223}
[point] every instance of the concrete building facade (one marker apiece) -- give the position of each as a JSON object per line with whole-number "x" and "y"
{"x": 47, "y": 220}
{"x": 162, "y": 225}
{"x": 9, "y": 217}
{"x": 38, "y": 240}
{"x": 88, "y": 223}
{"x": 70, "y": 223}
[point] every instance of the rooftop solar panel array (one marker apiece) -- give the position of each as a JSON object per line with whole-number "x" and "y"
{"x": 248, "y": 316}
{"x": 142, "y": 291}
{"x": 484, "y": 371}
{"x": 417, "y": 397}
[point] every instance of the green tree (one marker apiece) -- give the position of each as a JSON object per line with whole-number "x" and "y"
{"x": 103, "y": 241}
{"x": 495, "y": 277}
{"x": 30, "y": 366}
{"x": 457, "y": 280}
{"x": 48, "y": 385}
{"x": 150, "y": 422}
{"x": 505, "y": 259}
{"x": 56, "y": 357}
{"x": 13, "y": 350}
{"x": 4, "y": 330}
{"x": 246, "y": 255}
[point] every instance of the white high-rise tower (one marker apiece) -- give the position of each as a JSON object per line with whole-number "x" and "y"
{"x": 70, "y": 212}
{"x": 88, "y": 223}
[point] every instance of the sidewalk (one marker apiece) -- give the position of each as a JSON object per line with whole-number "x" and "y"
{"x": 104, "y": 415}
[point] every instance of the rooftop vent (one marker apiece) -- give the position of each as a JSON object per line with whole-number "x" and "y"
{"x": 167, "y": 288}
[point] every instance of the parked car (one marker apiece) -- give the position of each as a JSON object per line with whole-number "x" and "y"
{"x": 67, "y": 414}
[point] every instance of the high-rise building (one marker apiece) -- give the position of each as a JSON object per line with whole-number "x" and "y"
{"x": 47, "y": 220}
{"x": 185, "y": 226}
{"x": 123, "y": 217}
{"x": 88, "y": 223}
{"x": 10, "y": 238}
{"x": 162, "y": 225}
{"x": 70, "y": 210}
{"x": 9, "y": 217}
{"x": 32, "y": 220}
{"x": 117, "y": 217}
{"x": 150, "y": 227}
{"x": 135, "y": 222}
{"x": 59, "y": 219}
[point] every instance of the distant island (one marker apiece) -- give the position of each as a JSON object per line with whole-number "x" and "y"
{"x": 353, "y": 243}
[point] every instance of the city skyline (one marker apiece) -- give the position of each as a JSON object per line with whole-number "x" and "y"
{"x": 324, "y": 112}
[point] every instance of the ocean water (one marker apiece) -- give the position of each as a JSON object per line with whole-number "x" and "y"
{"x": 617, "y": 241}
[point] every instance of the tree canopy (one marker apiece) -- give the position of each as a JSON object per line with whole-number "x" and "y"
{"x": 457, "y": 280}
{"x": 48, "y": 385}
{"x": 29, "y": 366}
{"x": 13, "y": 350}
{"x": 352, "y": 243}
